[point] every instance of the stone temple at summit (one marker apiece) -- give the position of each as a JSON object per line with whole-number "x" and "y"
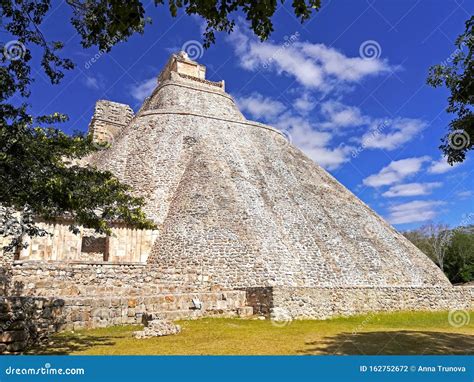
{"x": 246, "y": 224}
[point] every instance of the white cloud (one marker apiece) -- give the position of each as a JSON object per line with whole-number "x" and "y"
{"x": 339, "y": 115}
{"x": 260, "y": 107}
{"x": 312, "y": 142}
{"x": 305, "y": 103}
{"x": 465, "y": 194}
{"x": 398, "y": 132}
{"x": 333, "y": 62}
{"x": 395, "y": 172}
{"x": 415, "y": 211}
{"x": 411, "y": 189}
{"x": 441, "y": 166}
{"x": 92, "y": 83}
{"x": 144, "y": 89}
{"x": 315, "y": 66}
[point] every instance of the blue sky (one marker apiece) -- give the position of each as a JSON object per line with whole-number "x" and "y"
{"x": 348, "y": 88}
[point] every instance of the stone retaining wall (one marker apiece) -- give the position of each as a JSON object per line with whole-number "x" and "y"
{"x": 80, "y": 313}
{"x": 27, "y": 321}
{"x": 323, "y": 303}
{"x": 97, "y": 279}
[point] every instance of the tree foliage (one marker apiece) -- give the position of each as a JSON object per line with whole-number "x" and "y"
{"x": 100, "y": 21}
{"x": 452, "y": 250}
{"x": 457, "y": 74}
{"x": 40, "y": 175}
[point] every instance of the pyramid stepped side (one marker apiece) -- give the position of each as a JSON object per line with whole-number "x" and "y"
{"x": 246, "y": 223}
{"x": 237, "y": 203}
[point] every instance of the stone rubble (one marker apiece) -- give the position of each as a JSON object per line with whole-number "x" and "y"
{"x": 157, "y": 326}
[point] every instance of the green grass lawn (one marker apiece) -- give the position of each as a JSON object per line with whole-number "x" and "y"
{"x": 394, "y": 333}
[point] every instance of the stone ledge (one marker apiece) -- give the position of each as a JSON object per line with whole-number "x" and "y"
{"x": 179, "y": 112}
{"x": 63, "y": 264}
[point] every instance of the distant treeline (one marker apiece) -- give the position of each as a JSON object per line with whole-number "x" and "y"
{"x": 451, "y": 249}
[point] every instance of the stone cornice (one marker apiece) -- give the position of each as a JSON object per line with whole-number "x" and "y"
{"x": 239, "y": 121}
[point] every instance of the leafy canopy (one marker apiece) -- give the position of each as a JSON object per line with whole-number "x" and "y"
{"x": 457, "y": 74}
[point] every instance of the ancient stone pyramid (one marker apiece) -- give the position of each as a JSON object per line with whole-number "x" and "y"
{"x": 238, "y": 204}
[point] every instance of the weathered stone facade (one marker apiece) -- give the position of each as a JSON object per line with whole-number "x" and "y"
{"x": 322, "y": 303}
{"x": 124, "y": 245}
{"x": 244, "y": 220}
{"x": 26, "y": 321}
{"x": 108, "y": 120}
{"x": 235, "y": 199}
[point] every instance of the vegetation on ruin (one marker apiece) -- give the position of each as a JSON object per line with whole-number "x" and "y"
{"x": 381, "y": 333}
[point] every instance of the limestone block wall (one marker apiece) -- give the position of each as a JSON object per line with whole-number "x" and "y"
{"x": 98, "y": 279}
{"x": 108, "y": 120}
{"x": 124, "y": 245}
{"x": 323, "y": 303}
{"x": 181, "y": 94}
{"x": 81, "y": 313}
{"x": 28, "y": 321}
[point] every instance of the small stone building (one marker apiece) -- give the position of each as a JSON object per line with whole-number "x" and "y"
{"x": 246, "y": 222}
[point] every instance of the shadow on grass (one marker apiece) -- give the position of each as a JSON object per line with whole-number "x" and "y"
{"x": 404, "y": 342}
{"x": 66, "y": 344}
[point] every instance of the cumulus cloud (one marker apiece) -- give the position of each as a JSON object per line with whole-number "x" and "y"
{"x": 315, "y": 144}
{"x": 413, "y": 212}
{"x": 395, "y": 172}
{"x": 411, "y": 189}
{"x": 259, "y": 106}
{"x": 305, "y": 103}
{"x": 338, "y": 115}
{"x": 143, "y": 89}
{"x": 441, "y": 166}
{"x": 314, "y": 66}
{"x": 390, "y": 134}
